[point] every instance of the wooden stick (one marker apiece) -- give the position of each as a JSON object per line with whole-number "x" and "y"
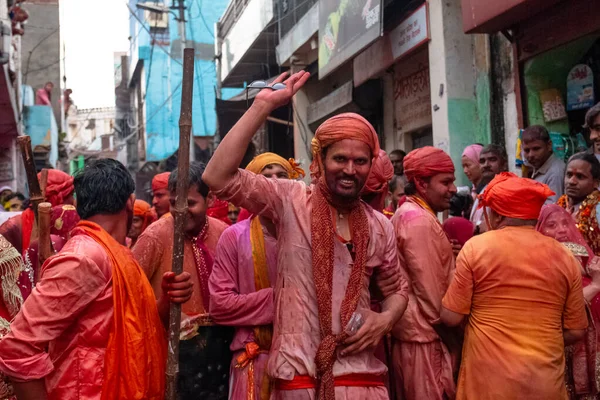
{"x": 35, "y": 194}
{"x": 44, "y": 182}
{"x": 44, "y": 241}
{"x": 179, "y": 212}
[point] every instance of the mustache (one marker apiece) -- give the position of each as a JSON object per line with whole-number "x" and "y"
{"x": 347, "y": 177}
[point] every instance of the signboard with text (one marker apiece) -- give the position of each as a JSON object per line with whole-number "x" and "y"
{"x": 580, "y": 88}
{"x": 411, "y": 33}
{"x": 345, "y": 28}
{"x": 412, "y": 94}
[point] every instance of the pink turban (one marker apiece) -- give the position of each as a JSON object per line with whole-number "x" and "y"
{"x": 58, "y": 187}
{"x": 515, "y": 197}
{"x": 382, "y": 171}
{"x": 426, "y": 162}
{"x": 340, "y": 127}
{"x": 160, "y": 181}
{"x": 472, "y": 152}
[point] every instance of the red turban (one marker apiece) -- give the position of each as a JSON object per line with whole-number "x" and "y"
{"x": 426, "y": 162}
{"x": 340, "y": 127}
{"x": 144, "y": 210}
{"x": 382, "y": 171}
{"x": 515, "y": 197}
{"x": 58, "y": 187}
{"x": 63, "y": 219}
{"x": 219, "y": 209}
{"x": 161, "y": 181}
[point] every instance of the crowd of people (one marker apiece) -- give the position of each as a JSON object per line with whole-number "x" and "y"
{"x": 351, "y": 287}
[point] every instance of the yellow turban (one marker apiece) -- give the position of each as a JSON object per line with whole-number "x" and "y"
{"x": 259, "y": 163}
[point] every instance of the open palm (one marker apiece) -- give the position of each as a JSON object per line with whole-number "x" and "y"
{"x": 278, "y": 98}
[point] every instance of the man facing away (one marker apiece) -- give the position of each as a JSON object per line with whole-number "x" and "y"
{"x": 422, "y": 360}
{"x": 329, "y": 245}
{"x": 521, "y": 294}
{"x": 241, "y": 286}
{"x": 582, "y": 198}
{"x": 547, "y": 168}
{"x": 92, "y": 327}
{"x": 204, "y": 354}
{"x": 160, "y": 194}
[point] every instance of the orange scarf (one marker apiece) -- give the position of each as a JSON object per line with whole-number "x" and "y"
{"x": 135, "y": 359}
{"x": 323, "y": 237}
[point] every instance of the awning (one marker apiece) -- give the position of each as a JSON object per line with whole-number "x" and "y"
{"x": 490, "y": 16}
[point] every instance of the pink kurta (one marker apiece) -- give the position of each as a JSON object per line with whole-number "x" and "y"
{"x": 296, "y": 323}
{"x": 62, "y": 330}
{"x": 423, "y": 363}
{"x": 234, "y": 300}
{"x": 154, "y": 252}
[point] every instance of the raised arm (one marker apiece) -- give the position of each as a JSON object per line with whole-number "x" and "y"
{"x": 229, "y": 154}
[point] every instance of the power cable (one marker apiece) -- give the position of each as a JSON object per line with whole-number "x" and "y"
{"x": 199, "y": 77}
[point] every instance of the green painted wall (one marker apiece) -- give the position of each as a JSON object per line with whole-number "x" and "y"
{"x": 469, "y": 122}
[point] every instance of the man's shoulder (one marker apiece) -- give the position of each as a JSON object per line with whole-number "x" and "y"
{"x": 377, "y": 219}
{"x": 158, "y": 228}
{"x": 85, "y": 250}
{"x": 217, "y": 225}
{"x": 236, "y": 229}
{"x": 412, "y": 213}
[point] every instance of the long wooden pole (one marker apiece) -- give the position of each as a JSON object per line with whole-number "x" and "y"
{"x": 35, "y": 193}
{"x": 44, "y": 241}
{"x": 179, "y": 212}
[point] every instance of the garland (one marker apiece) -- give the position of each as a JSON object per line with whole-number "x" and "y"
{"x": 586, "y": 219}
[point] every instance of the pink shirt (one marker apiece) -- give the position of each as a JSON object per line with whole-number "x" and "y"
{"x": 62, "y": 329}
{"x": 296, "y": 324}
{"x": 234, "y": 300}
{"x": 427, "y": 262}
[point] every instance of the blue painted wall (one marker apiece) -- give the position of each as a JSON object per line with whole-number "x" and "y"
{"x": 163, "y": 75}
{"x": 41, "y": 125}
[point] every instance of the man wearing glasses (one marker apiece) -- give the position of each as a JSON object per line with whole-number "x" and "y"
{"x": 329, "y": 245}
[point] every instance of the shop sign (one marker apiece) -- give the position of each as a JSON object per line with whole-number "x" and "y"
{"x": 552, "y": 105}
{"x": 413, "y": 101}
{"x": 580, "y": 88}
{"x": 345, "y": 28}
{"x": 411, "y": 33}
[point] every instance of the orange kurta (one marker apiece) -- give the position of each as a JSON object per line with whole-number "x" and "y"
{"x": 520, "y": 290}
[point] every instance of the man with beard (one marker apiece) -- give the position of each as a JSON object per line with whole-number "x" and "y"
{"x": 204, "y": 354}
{"x": 423, "y": 362}
{"x": 241, "y": 286}
{"x": 493, "y": 160}
{"x": 592, "y": 122}
{"x": 92, "y": 327}
{"x": 582, "y": 198}
{"x": 329, "y": 245}
{"x": 160, "y": 194}
{"x": 397, "y": 159}
{"x": 547, "y": 168}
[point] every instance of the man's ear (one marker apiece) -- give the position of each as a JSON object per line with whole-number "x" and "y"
{"x": 131, "y": 202}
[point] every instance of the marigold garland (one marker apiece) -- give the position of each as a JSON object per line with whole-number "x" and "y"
{"x": 586, "y": 220}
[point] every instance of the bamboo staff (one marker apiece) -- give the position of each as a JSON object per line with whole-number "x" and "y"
{"x": 44, "y": 242}
{"x": 44, "y": 182}
{"x": 35, "y": 194}
{"x": 179, "y": 215}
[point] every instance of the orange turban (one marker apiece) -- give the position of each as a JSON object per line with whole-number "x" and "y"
{"x": 160, "y": 181}
{"x": 58, "y": 187}
{"x": 426, "y": 162}
{"x": 259, "y": 163}
{"x": 382, "y": 171}
{"x": 515, "y": 197}
{"x": 340, "y": 127}
{"x": 144, "y": 210}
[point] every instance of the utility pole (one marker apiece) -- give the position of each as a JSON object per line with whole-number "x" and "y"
{"x": 179, "y": 5}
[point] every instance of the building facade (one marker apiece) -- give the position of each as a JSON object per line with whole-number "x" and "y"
{"x": 154, "y": 82}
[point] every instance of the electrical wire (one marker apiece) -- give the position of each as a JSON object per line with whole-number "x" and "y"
{"x": 201, "y": 16}
{"x": 148, "y": 30}
{"x": 199, "y": 75}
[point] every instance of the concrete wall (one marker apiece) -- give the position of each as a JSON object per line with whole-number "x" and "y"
{"x": 40, "y": 49}
{"x": 163, "y": 91}
{"x": 460, "y": 85}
